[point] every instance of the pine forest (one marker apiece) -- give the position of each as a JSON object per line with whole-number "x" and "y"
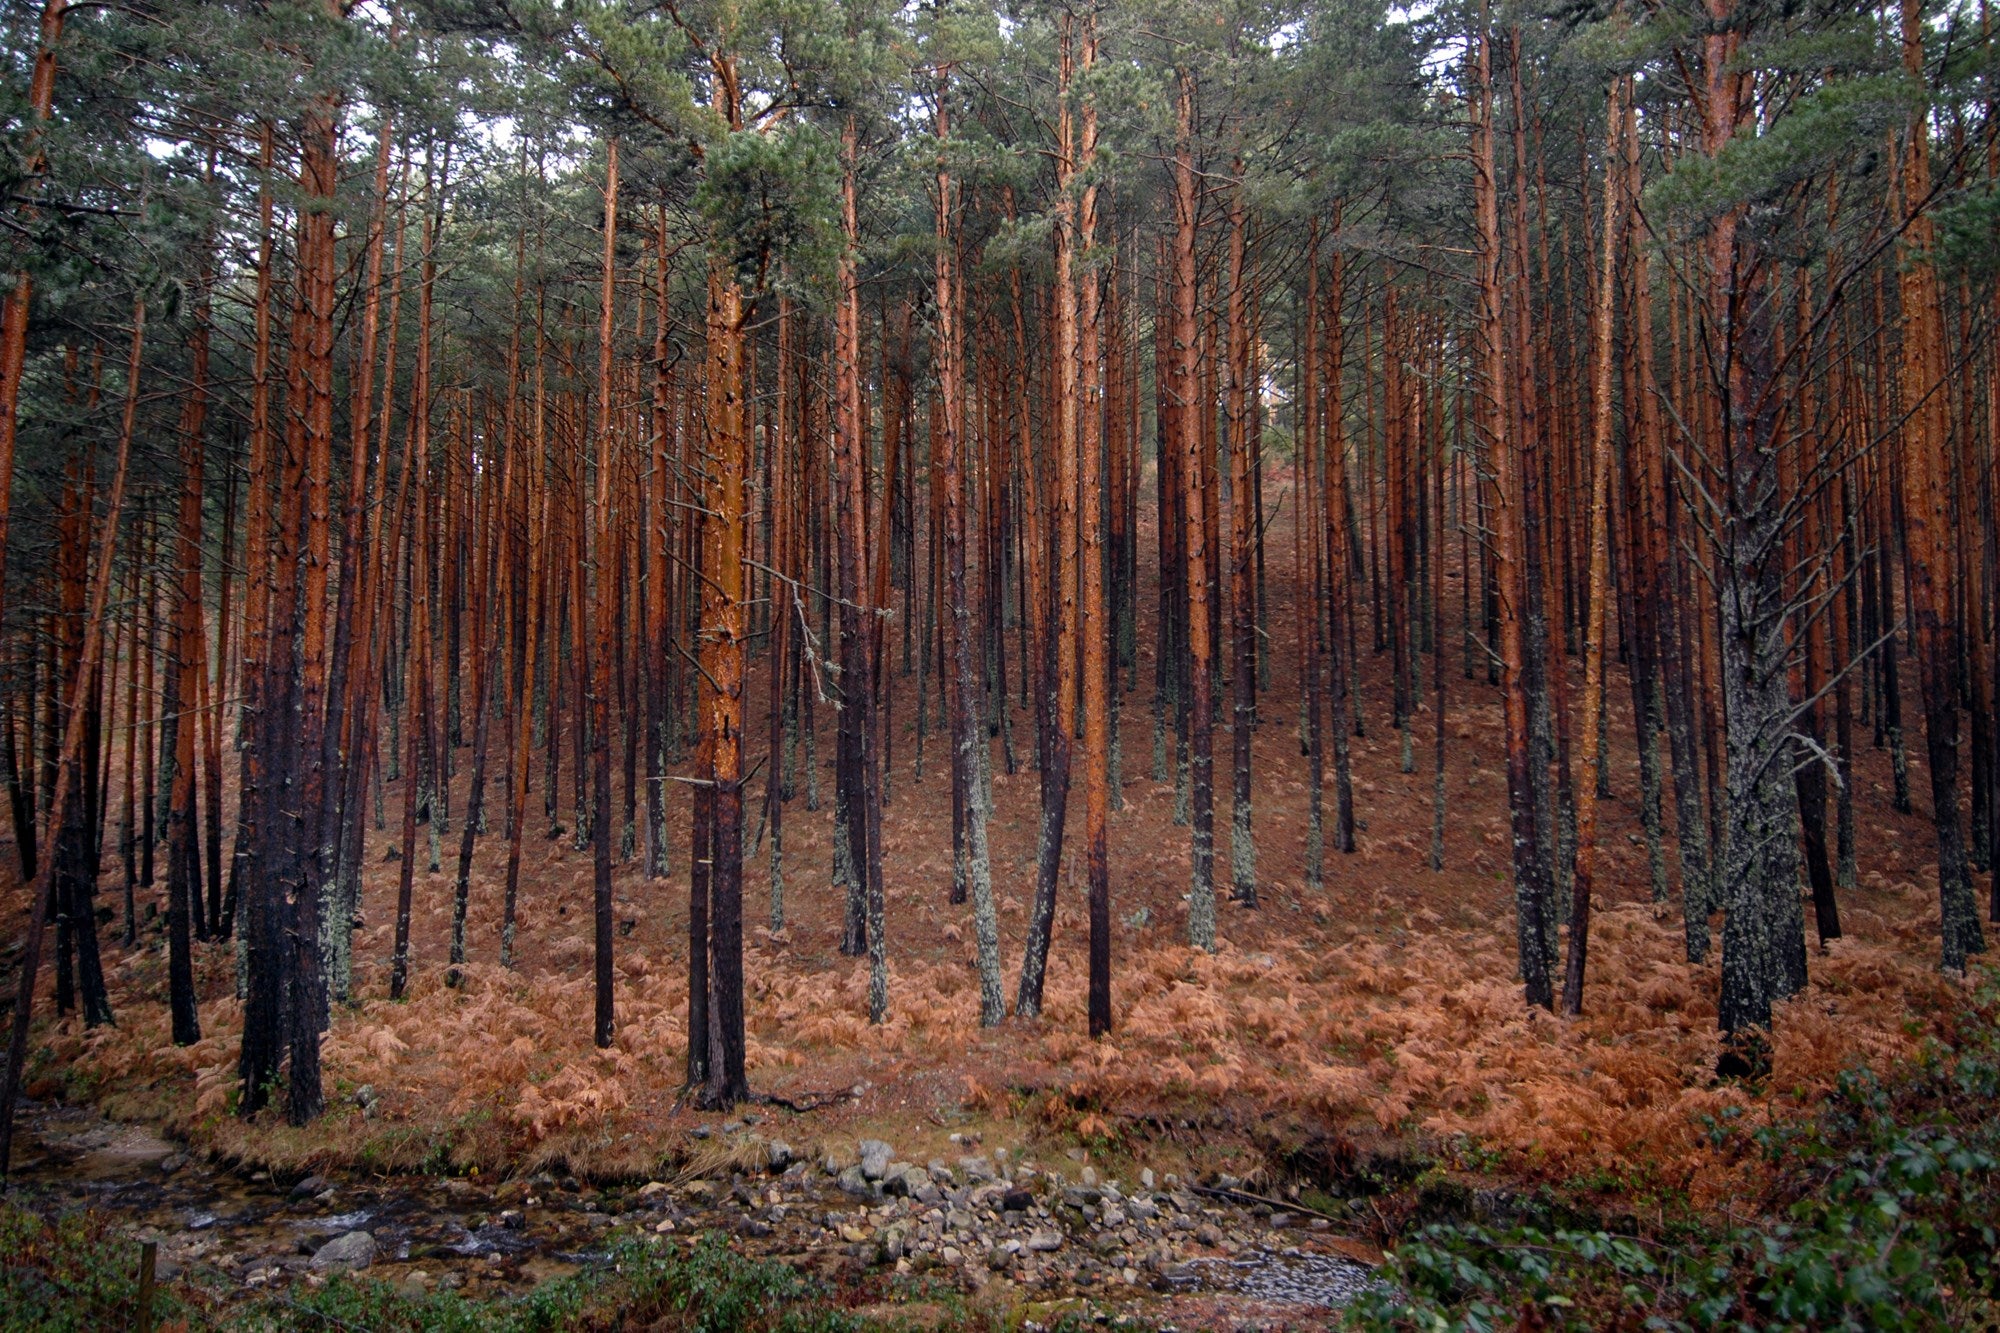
{"x": 834, "y": 664}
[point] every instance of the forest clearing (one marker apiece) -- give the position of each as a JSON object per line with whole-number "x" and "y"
{"x": 818, "y": 664}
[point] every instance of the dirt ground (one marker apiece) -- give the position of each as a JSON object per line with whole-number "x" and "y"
{"x": 1329, "y": 1024}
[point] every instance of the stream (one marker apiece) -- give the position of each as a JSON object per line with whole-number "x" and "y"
{"x": 1165, "y": 1256}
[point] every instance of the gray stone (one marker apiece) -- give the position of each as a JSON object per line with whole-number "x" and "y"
{"x": 852, "y": 1181}
{"x": 875, "y": 1158}
{"x": 777, "y": 1155}
{"x": 352, "y": 1251}
{"x": 1045, "y": 1242}
{"x": 976, "y": 1168}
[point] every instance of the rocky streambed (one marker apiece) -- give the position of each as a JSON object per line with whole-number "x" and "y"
{"x": 1025, "y": 1234}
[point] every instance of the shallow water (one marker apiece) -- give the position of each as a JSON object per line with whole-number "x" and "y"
{"x": 492, "y": 1238}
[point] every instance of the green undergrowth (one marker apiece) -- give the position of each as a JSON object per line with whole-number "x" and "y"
{"x": 708, "y": 1289}
{"x": 72, "y": 1272}
{"x": 1881, "y": 1212}
{"x": 75, "y": 1273}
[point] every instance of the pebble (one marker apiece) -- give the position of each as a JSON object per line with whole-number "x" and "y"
{"x": 1292, "y": 1277}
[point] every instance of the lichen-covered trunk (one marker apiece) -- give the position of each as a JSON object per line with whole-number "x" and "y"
{"x": 947, "y": 355}
{"x": 1242, "y": 597}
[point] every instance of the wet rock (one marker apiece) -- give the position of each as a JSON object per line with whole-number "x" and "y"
{"x": 652, "y": 1189}
{"x": 875, "y": 1158}
{"x": 513, "y": 1220}
{"x": 309, "y": 1187}
{"x": 353, "y": 1251}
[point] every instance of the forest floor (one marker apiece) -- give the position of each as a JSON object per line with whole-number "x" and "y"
{"x": 1362, "y": 1047}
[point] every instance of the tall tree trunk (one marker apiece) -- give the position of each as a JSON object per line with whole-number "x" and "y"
{"x": 1927, "y": 519}
{"x": 1601, "y": 465}
{"x": 1098, "y": 617}
{"x": 1188, "y": 404}
{"x": 1059, "y": 681}
{"x": 1242, "y": 597}
{"x": 1533, "y": 908}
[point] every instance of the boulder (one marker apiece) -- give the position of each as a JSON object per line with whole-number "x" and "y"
{"x": 875, "y": 1158}
{"x": 350, "y": 1252}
